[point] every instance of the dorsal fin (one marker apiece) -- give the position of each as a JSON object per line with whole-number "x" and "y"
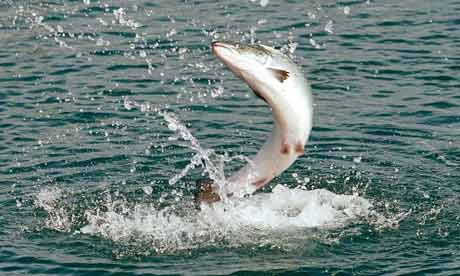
{"x": 279, "y": 74}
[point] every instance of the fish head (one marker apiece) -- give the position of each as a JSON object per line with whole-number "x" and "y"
{"x": 238, "y": 56}
{"x": 254, "y": 63}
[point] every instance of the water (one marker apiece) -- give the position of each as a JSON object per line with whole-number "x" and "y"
{"x": 111, "y": 110}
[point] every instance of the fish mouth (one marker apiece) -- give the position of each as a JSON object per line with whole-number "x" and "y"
{"x": 226, "y": 52}
{"x": 215, "y": 45}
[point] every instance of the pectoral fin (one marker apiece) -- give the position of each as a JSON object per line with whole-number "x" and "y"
{"x": 279, "y": 74}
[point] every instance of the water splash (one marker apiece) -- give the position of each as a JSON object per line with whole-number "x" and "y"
{"x": 49, "y": 200}
{"x": 121, "y": 18}
{"x": 262, "y": 219}
{"x": 275, "y": 219}
{"x": 278, "y": 219}
{"x": 212, "y": 163}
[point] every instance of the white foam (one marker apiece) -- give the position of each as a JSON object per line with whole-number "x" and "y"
{"x": 236, "y": 223}
{"x": 47, "y": 196}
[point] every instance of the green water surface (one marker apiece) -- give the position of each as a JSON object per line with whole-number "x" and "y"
{"x": 81, "y": 84}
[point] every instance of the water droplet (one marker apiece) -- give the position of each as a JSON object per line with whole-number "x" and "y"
{"x": 127, "y": 104}
{"x": 329, "y": 27}
{"x": 264, "y": 3}
{"x": 147, "y": 190}
{"x": 99, "y": 42}
{"x": 261, "y": 21}
{"x": 314, "y": 44}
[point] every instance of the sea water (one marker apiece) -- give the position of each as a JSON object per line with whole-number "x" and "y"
{"x": 110, "y": 111}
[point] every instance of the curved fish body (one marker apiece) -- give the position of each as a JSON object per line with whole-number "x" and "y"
{"x": 281, "y": 84}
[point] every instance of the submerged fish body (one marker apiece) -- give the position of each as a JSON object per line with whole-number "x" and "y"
{"x": 281, "y": 84}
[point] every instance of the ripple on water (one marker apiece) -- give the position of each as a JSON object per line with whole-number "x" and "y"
{"x": 84, "y": 149}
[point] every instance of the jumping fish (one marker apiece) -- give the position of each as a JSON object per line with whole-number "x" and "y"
{"x": 281, "y": 84}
